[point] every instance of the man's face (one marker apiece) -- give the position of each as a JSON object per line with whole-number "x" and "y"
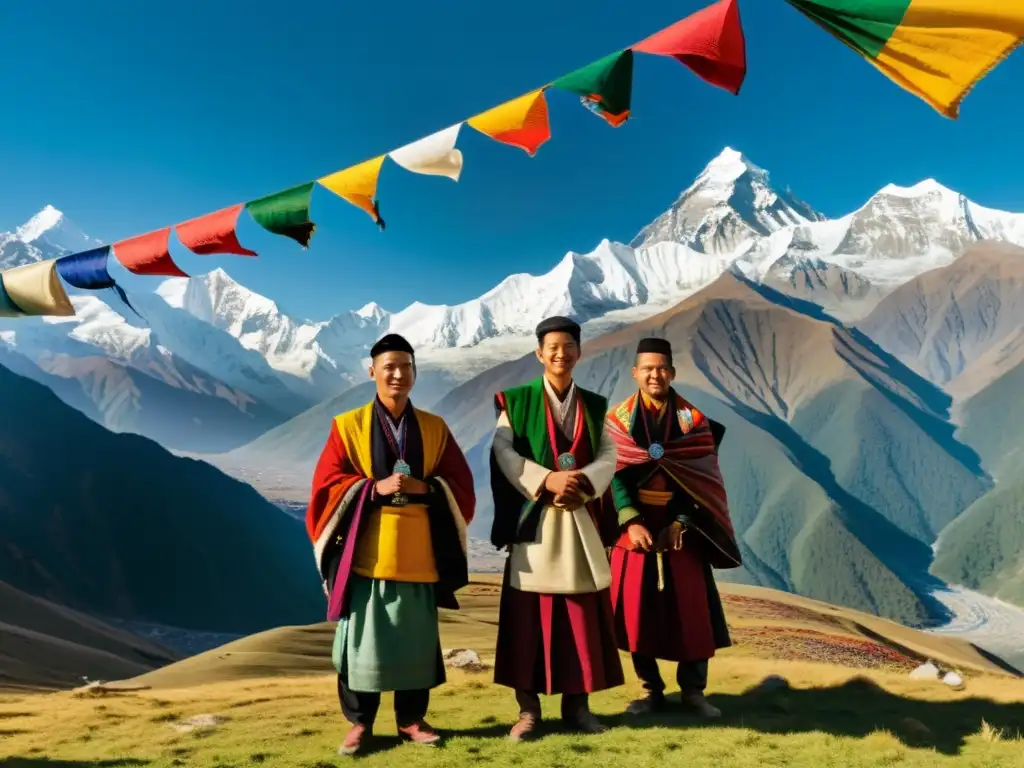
{"x": 654, "y": 374}
{"x": 394, "y": 372}
{"x": 559, "y": 353}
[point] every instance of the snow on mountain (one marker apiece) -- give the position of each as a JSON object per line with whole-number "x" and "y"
{"x": 902, "y": 232}
{"x": 52, "y": 228}
{"x": 47, "y": 235}
{"x": 730, "y": 206}
{"x": 729, "y": 218}
{"x": 134, "y": 382}
{"x": 586, "y": 286}
{"x": 315, "y": 359}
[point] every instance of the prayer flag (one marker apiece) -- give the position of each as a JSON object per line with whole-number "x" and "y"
{"x": 88, "y": 270}
{"x": 286, "y": 213}
{"x": 710, "y": 42}
{"x": 35, "y": 289}
{"x": 7, "y": 306}
{"x": 358, "y": 185}
{"x": 433, "y": 155}
{"x": 213, "y": 233}
{"x": 522, "y": 122}
{"x": 936, "y": 49}
{"x": 606, "y": 86}
{"x": 148, "y": 254}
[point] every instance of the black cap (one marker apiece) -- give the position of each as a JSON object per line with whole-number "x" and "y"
{"x": 391, "y": 343}
{"x": 655, "y": 347}
{"x": 557, "y": 325}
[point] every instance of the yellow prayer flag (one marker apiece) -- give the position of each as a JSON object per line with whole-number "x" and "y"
{"x": 522, "y": 122}
{"x": 358, "y": 185}
{"x": 936, "y": 49}
{"x": 36, "y": 289}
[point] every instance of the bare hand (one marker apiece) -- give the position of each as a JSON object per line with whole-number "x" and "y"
{"x": 562, "y": 483}
{"x": 671, "y": 537}
{"x": 389, "y": 486}
{"x": 639, "y": 537}
{"x": 570, "y": 500}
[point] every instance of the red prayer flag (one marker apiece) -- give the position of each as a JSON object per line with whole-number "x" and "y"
{"x": 213, "y": 233}
{"x": 148, "y": 254}
{"x": 710, "y": 42}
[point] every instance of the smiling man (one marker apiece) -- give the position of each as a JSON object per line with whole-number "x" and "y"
{"x": 670, "y": 501}
{"x": 551, "y": 457}
{"x": 392, "y": 496}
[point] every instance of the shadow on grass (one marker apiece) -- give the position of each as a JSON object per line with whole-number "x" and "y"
{"x": 39, "y": 762}
{"x": 854, "y": 710}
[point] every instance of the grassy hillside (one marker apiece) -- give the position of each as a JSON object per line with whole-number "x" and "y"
{"x": 115, "y": 525}
{"x": 49, "y": 646}
{"x": 270, "y": 699}
{"x": 984, "y": 548}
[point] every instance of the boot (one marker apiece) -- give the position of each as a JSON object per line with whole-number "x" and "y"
{"x": 695, "y": 701}
{"x": 354, "y": 739}
{"x": 419, "y": 732}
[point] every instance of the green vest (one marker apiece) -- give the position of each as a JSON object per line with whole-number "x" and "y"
{"x": 516, "y": 518}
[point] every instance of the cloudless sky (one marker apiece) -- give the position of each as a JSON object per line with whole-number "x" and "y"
{"x": 130, "y": 116}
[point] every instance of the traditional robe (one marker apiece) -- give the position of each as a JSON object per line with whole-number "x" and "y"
{"x": 387, "y": 568}
{"x": 555, "y": 632}
{"x": 675, "y": 615}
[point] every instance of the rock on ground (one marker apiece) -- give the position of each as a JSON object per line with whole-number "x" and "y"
{"x": 464, "y": 658}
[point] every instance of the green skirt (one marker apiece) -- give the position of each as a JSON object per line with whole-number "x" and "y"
{"x": 389, "y": 639}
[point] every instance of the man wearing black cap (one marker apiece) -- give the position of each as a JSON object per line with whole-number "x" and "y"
{"x": 551, "y": 458}
{"x": 670, "y": 501}
{"x": 392, "y": 497}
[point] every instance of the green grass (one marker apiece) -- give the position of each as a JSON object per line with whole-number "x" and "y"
{"x": 849, "y": 702}
{"x": 829, "y": 717}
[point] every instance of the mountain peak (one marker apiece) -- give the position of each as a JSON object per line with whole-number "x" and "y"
{"x": 730, "y": 205}
{"x": 727, "y": 167}
{"x": 922, "y": 188}
{"x": 373, "y": 310}
{"x": 38, "y": 225}
{"x": 218, "y": 276}
{"x": 53, "y": 228}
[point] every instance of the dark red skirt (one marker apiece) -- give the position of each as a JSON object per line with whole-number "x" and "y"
{"x": 556, "y": 643}
{"x": 674, "y": 624}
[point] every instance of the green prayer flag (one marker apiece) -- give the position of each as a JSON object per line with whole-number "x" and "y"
{"x": 286, "y": 213}
{"x": 606, "y": 84}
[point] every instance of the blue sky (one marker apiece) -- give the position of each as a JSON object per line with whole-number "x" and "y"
{"x": 130, "y": 116}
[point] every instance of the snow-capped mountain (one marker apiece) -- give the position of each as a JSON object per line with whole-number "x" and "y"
{"x": 731, "y": 205}
{"x": 165, "y": 374}
{"x": 47, "y": 235}
{"x": 314, "y": 359}
{"x": 729, "y": 218}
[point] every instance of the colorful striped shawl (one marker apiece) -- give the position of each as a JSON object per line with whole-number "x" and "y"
{"x": 690, "y": 460}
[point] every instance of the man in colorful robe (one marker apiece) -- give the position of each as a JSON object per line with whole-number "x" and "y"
{"x": 670, "y": 501}
{"x": 550, "y": 460}
{"x": 392, "y": 496}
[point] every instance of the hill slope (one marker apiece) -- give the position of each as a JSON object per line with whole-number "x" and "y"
{"x": 114, "y": 525}
{"x": 943, "y": 322}
{"x": 46, "y": 645}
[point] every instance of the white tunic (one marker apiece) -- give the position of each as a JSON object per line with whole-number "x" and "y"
{"x": 568, "y": 556}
